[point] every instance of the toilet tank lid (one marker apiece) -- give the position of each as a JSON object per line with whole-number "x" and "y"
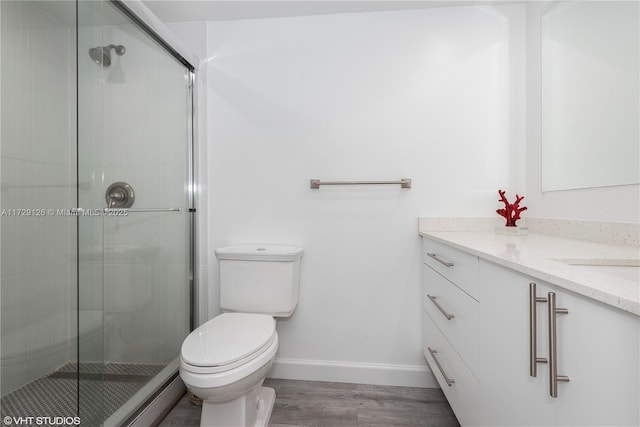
{"x": 259, "y": 253}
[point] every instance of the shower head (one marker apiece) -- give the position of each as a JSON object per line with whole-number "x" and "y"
{"x": 102, "y": 55}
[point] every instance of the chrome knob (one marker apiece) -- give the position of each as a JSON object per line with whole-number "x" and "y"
{"x": 120, "y": 195}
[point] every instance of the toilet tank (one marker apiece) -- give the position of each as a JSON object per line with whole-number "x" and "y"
{"x": 259, "y": 279}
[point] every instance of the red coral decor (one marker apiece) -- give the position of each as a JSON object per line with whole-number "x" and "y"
{"x": 511, "y": 211}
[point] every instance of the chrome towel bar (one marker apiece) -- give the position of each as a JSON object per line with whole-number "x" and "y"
{"x": 403, "y": 183}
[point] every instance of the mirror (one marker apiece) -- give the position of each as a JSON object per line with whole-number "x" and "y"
{"x": 590, "y": 94}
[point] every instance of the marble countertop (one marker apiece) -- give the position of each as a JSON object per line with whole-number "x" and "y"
{"x": 538, "y": 255}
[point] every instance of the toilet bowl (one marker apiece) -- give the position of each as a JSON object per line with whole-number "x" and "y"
{"x": 225, "y": 360}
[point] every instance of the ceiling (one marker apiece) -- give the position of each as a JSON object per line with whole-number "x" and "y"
{"x": 221, "y": 10}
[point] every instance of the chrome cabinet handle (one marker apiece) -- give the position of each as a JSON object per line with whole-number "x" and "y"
{"x": 449, "y": 381}
{"x": 533, "y": 333}
{"x": 554, "y": 378}
{"x": 439, "y": 307}
{"x": 446, "y": 263}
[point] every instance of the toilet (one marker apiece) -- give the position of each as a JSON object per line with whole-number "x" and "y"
{"x": 225, "y": 360}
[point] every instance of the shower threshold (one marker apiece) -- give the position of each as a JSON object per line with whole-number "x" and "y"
{"x": 103, "y": 388}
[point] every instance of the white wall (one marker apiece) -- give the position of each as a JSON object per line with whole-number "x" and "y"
{"x": 618, "y": 203}
{"x": 434, "y": 95}
{"x": 38, "y": 172}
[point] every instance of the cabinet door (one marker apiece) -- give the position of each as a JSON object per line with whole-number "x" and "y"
{"x": 509, "y": 395}
{"x": 598, "y": 349}
{"x": 454, "y": 312}
{"x": 457, "y": 381}
{"x": 458, "y": 267}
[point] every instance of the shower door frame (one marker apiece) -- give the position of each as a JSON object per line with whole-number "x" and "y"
{"x": 171, "y": 385}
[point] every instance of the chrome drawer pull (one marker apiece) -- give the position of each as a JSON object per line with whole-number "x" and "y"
{"x": 442, "y": 310}
{"x": 449, "y": 381}
{"x": 533, "y": 334}
{"x": 553, "y": 349}
{"x": 446, "y": 263}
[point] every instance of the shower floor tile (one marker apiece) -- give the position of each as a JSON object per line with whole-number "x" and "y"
{"x": 103, "y": 389}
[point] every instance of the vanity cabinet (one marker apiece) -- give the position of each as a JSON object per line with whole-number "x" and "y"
{"x": 597, "y": 347}
{"x": 511, "y": 397}
{"x": 450, "y": 325}
{"x": 599, "y": 350}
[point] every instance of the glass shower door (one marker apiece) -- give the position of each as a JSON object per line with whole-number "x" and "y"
{"x": 134, "y": 235}
{"x": 38, "y": 188}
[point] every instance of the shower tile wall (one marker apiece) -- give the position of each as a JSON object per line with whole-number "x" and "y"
{"x": 38, "y": 172}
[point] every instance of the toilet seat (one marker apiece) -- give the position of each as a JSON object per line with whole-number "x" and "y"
{"x": 227, "y": 341}
{"x": 201, "y": 378}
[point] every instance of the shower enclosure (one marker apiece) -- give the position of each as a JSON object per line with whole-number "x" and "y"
{"x": 97, "y": 211}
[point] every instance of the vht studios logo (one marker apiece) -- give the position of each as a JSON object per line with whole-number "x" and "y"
{"x": 41, "y": 421}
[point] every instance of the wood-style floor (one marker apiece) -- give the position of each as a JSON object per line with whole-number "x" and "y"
{"x": 313, "y": 403}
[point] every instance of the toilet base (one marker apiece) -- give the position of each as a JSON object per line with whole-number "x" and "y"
{"x": 250, "y": 410}
{"x": 266, "y": 399}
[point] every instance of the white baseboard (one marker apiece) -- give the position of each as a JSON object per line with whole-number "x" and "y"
{"x": 350, "y": 372}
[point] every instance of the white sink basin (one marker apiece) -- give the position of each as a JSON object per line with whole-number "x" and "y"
{"x": 601, "y": 262}
{"x": 628, "y": 269}
{"x": 628, "y": 273}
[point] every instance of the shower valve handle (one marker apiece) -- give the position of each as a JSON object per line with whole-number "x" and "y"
{"x": 120, "y": 195}
{"x": 117, "y": 196}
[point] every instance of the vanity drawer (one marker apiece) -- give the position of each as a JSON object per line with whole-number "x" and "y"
{"x": 462, "y": 394}
{"x": 454, "y": 312}
{"x": 458, "y": 267}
